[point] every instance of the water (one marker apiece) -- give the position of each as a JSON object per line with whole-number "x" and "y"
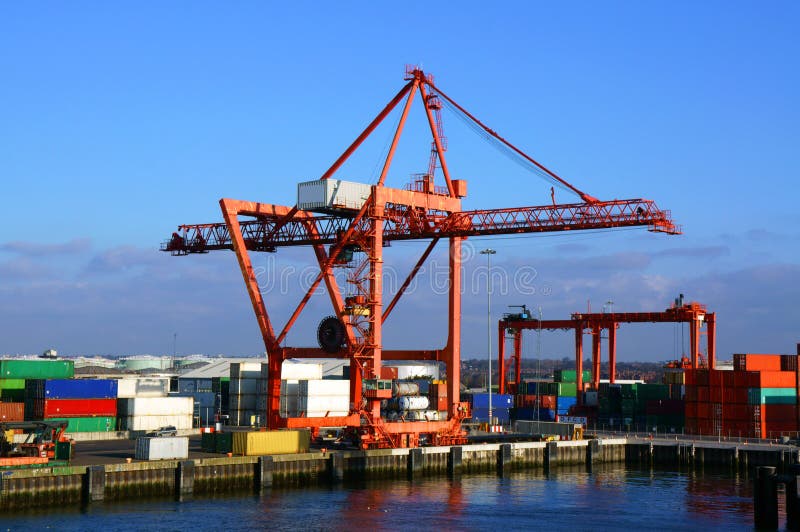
{"x": 613, "y": 498}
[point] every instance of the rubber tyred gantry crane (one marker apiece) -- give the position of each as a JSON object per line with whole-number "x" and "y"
{"x": 693, "y": 313}
{"x": 347, "y": 224}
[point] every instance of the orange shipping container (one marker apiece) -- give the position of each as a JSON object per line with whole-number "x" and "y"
{"x": 756, "y": 362}
{"x": 772, "y": 379}
{"x": 12, "y": 411}
{"x": 547, "y": 401}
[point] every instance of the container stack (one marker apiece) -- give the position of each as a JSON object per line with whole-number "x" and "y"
{"x": 131, "y": 387}
{"x": 12, "y": 390}
{"x": 150, "y": 413}
{"x": 639, "y": 406}
{"x": 315, "y": 398}
{"x": 244, "y": 384}
{"x": 89, "y": 405}
{"x": 758, "y": 399}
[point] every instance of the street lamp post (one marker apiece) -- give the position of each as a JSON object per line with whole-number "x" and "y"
{"x": 489, "y": 252}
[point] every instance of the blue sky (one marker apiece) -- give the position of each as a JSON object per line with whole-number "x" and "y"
{"x": 120, "y": 122}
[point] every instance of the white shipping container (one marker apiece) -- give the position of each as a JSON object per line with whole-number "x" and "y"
{"x": 311, "y": 388}
{"x": 167, "y": 448}
{"x": 244, "y": 386}
{"x": 331, "y": 194}
{"x": 182, "y": 422}
{"x": 300, "y": 371}
{"x": 142, "y": 387}
{"x": 155, "y": 406}
{"x": 324, "y": 403}
{"x": 245, "y": 370}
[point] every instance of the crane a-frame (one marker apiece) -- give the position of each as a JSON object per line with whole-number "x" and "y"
{"x": 354, "y": 235}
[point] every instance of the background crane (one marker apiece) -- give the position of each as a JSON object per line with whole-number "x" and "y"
{"x": 354, "y": 235}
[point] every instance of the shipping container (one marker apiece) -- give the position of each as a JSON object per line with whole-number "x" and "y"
{"x": 71, "y": 389}
{"x": 570, "y": 375}
{"x": 156, "y": 406}
{"x": 271, "y": 442}
{"x": 771, "y": 379}
{"x": 50, "y": 408}
{"x": 481, "y": 414}
{"x": 37, "y": 369}
{"x": 481, "y": 400}
{"x": 789, "y": 362}
{"x": 772, "y": 396}
{"x": 756, "y": 362}
{"x": 12, "y": 411}
{"x": 246, "y": 370}
{"x": 169, "y": 448}
{"x": 129, "y": 388}
{"x": 12, "y": 384}
{"x": 330, "y": 195}
{"x": 89, "y": 424}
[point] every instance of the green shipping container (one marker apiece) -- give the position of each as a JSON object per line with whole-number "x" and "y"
{"x": 771, "y": 396}
{"x": 652, "y": 392}
{"x": 566, "y": 389}
{"x": 12, "y": 384}
{"x": 37, "y": 369}
{"x": 570, "y": 375}
{"x": 89, "y": 424}
{"x": 223, "y": 443}
{"x": 207, "y": 442}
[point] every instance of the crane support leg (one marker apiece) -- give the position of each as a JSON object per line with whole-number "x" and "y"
{"x": 711, "y": 338}
{"x": 579, "y": 361}
{"x": 595, "y": 357}
{"x": 612, "y": 353}
{"x": 518, "y": 358}
{"x": 501, "y": 358}
{"x": 453, "y": 348}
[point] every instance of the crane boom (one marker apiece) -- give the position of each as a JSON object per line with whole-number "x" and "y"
{"x": 269, "y": 231}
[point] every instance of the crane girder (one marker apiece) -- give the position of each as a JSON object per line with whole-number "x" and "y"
{"x": 269, "y": 231}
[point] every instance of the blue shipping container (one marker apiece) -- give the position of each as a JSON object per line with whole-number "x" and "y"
{"x": 563, "y": 404}
{"x": 71, "y": 389}
{"x": 481, "y": 400}
{"x": 482, "y": 414}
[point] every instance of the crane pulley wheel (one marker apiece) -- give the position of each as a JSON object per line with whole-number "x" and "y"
{"x": 331, "y": 334}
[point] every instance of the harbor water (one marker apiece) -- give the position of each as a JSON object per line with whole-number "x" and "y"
{"x": 613, "y": 497}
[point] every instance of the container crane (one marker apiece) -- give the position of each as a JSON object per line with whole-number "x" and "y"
{"x": 348, "y": 224}
{"x": 693, "y": 313}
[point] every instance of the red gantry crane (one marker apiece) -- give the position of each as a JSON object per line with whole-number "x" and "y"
{"x": 347, "y": 225}
{"x": 594, "y": 323}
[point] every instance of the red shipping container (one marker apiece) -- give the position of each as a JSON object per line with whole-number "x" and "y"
{"x": 779, "y": 413}
{"x": 441, "y": 404}
{"x": 728, "y": 378}
{"x": 691, "y": 394}
{"x": 702, "y": 377}
{"x": 715, "y": 377}
{"x": 691, "y": 410}
{"x": 703, "y": 410}
{"x": 715, "y": 394}
{"x": 737, "y": 412}
{"x": 12, "y": 411}
{"x": 702, "y": 394}
{"x": 772, "y": 379}
{"x": 77, "y": 407}
{"x": 690, "y": 377}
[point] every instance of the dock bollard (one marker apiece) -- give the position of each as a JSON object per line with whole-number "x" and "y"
{"x": 765, "y": 498}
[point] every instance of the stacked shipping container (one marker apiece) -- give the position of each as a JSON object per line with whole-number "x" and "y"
{"x": 87, "y": 404}
{"x": 758, "y": 399}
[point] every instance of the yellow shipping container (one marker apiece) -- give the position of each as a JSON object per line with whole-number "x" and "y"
{"x": 271, "y": 442}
